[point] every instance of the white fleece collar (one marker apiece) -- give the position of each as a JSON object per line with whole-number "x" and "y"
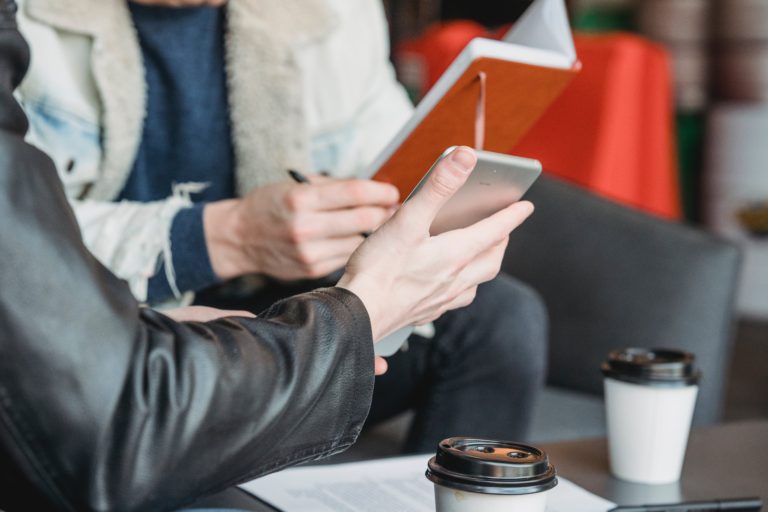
{"x": 265, "y": 84}
{"x": 119, "y": 76}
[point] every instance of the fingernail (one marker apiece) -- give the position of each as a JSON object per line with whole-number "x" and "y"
{"x": 464, "y": 158}
{"x": 530, "y": 205}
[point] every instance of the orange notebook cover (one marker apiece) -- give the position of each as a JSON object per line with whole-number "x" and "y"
{"x": 520, "y": 82}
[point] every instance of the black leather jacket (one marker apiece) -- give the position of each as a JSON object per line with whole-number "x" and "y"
{"x": 108, "y": 406}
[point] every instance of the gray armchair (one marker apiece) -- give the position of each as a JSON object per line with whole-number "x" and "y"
{"x": 612, "y": 277}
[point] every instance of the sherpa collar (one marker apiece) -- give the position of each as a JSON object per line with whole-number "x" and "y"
{"x": 264, "y": 80}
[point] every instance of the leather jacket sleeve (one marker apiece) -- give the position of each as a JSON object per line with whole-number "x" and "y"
{"x": 108, "y": 406}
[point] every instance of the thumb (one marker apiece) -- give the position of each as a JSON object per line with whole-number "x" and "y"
{"x": 448, "y": 176}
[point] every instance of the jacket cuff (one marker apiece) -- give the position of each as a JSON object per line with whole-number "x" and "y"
{"x": 191, "y": 263}
{"x": 360, "y": 366}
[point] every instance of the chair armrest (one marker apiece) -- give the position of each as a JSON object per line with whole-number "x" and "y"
{"x": 613, "y": 277}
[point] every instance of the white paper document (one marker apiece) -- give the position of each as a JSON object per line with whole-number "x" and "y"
{"x": 386, "y": 485}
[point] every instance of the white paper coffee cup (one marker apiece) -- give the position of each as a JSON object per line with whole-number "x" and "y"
{"x": 650, "y": 395}
{"x": 480, "y": 475}
{"x": 452, "y": 500}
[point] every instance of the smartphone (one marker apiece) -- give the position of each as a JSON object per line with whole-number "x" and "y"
{"x": 496, "y": 182}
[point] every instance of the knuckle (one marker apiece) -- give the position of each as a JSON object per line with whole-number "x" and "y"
{"x": 305, "y": 258}
{"x": 296, "y": 199}
{"x": 455, "y": 267}
{"x": 469, "y": 298}
{"x": 471, "y": 249}
{"x": 491, "y": 274}
{"x": 304, "y": 228}
{"x": 390, "y": 192}
{"x": 500, "y": 248}
{"x": 476, "y": 248}
{"x": 296, "y": 233}
{"x": 315, "y": 272}
{"x": 350, "y": 249}
{"x": 443, "y": 184}
{"x": 448, "y": 178}
{"x": 464, "y": 259}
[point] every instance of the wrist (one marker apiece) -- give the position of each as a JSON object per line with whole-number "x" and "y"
{"x": 223, "y": 225}
{"x": 360, "y": 286}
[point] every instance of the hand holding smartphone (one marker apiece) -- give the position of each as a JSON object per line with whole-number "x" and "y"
{"x": 496, "y": 182}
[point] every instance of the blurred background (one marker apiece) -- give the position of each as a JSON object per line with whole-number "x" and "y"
{"x": 668, "y": 116}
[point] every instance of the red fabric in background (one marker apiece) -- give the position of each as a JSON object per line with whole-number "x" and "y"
{"x": 612, "y": 130}
{"x": 440, "y": 44}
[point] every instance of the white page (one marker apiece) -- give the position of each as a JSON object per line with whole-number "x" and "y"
{"x": 545, "y": 26}
{"x": 383, "y": 486}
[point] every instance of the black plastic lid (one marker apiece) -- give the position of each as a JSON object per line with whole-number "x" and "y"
{"x": 491, "y": 467}
{"x": 654, "y": 367}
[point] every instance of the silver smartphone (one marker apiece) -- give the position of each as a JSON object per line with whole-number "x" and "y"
{"x": 496, "y": 182}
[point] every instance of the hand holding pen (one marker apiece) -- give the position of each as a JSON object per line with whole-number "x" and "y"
{"x": 301, "y": 178}
{"x": 293, "y": 232}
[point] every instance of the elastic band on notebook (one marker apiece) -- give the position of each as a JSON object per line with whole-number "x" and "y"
{"x": 480, "y": 112}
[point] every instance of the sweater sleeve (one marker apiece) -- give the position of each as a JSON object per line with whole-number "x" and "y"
{"x": 191, "y": 264}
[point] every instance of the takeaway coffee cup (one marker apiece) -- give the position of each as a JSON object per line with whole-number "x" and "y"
{"x": 650, "y": 395}
{"x": 479, "y": 475}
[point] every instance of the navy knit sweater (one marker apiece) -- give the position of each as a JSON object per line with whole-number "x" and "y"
{"x": 187, "y": 136}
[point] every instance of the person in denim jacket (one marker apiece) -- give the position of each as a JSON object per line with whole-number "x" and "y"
{"x": 172, "y": 124}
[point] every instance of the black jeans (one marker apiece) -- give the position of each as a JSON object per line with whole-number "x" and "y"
{"x": 481, "y": 375}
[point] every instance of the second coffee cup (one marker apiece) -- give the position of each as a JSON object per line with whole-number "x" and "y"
{"x": 477, "y": 475}
{"x": 650, "y": 396}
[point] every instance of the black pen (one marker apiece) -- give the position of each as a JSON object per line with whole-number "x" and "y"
{"x": 297, "y": 176}
{"x": 300, "y": 178}
{"x": 737, "y": 504}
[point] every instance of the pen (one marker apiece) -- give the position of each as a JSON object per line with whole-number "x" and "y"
{"x": 300, "y": 178}
{"x": 737, "y": 504}
{"x": 297, "y": 176}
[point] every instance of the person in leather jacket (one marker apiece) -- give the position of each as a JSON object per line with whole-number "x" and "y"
{"x": 105, "y": 405}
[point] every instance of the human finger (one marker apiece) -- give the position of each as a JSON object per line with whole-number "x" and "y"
{"x": 444, "y": 181}
{"x": 484, "y": 267}
{"x": 315, "y": 251}
{"x": 380, "y": 366}
{"x": 321, "y": 178}
{"x": 325, "y": 267}
{"x": 338, "y": 194}
{"x": 462, "y": 300}
{"x": 347, "y": 222}
{"x": 488, "y": 232}
{"x": 203, "y": 314}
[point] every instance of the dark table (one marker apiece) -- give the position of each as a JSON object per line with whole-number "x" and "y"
{"x": 724, "y": 461}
